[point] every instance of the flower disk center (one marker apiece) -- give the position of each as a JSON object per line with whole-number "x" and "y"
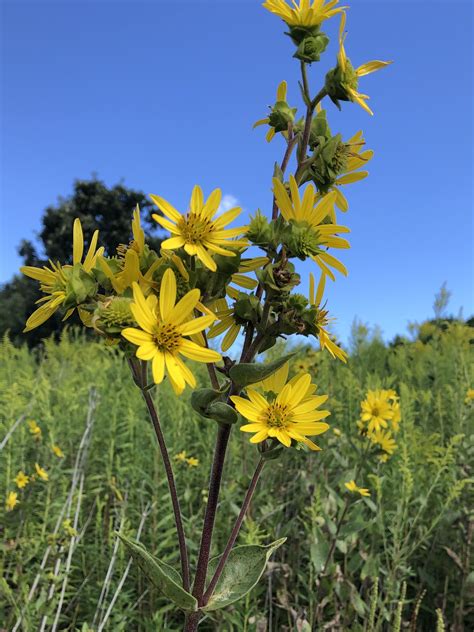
{"x": 277, "y": 416}
{"x": 194, "y": 228}
{"x": 167, "y": 337}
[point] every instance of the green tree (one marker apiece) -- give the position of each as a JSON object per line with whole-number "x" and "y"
{"x": 98, "y": 207}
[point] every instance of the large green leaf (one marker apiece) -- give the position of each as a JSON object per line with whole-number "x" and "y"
{"x": 242, "y": 571}
{"x": 164, "y": 577}
{"x": 245, "y": 374}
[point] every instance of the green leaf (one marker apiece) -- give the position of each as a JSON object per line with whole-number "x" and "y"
{"x": 221, "y": 412}
{"x": 163, "y": 576}
{"x": 319, "y": 551}
{"x": 242, "y": 571}
{"x": 245, "y": 374}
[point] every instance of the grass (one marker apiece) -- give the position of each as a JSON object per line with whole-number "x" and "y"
{"x": 401, "y": 557}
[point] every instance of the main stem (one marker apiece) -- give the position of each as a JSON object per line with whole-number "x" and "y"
{"x": 222, "y": 440}
{"x": 183, "y": 552}
{"x": 235, "y": 531}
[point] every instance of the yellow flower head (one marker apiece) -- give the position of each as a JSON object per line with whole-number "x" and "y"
{"x": 290, "y": 415}
{"x": 376, "y": 411}
{"x": 304, "y": 13}
{"x": 12, "y": 501}
{"x": 384, "y": 439}
{"x": 57, "y": 451}
{"x": 192, "y": 461}
{"x": 323, "y": 319}
{"x": 396, "y": 418}
{"x": 21, "y": 479}
{"x": 469, "y": 396}
{"x": 352, "y": 487}
{"x": 280, "y": 99}
{"x": 164, "y": 327}
{"x": 42, "y": 473}
{"x": 346, "y": 77}
{"x": 35, "y": 430}
{"x": 356, "y": 158}
{"x": 198, "y": 231}
{"x": 181, "y": 456}
{"x": 313, "y": 213}
{"x": 53, "y": 280}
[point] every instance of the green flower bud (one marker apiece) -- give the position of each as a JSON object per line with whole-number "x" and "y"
{"x": 259, "y": 231}
{"x": 329, "y": 162}
{"x": 301, "y": 240}
{"x": 80, "y": 286}
{"x": 300, "y": 32}
{"x": 113, "y": 315}
{"x": 278, "y": 279}
{"x": 337, "y": 82}
{"x": 311, "y": 48}
{"x": 280, "y": 115}
{"x": 320, "y": 131}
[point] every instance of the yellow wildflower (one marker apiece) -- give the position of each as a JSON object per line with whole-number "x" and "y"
{"x": 35, "y": 430}
{"x": 397, "y": 417}
{"x": 57, "y": 451}
{"x": 350, "y": 76}
{"x": 192, "y": 461}
{"x": 350, "y": 174}
{"x": 384, "y": 440}
{"x": 181, "y": 456}
{"x": 313, "y": 212}
{"x": 163, "y": 330}
{"x": 53, "y": 280}
{"x": 337, "y": 432}
{"x": 305, "y": 13}
{"x": 376, "y": 411}
{"x": 352, "y": 487}
{"x": 42, "y": 473}
{"x": 12, "y": 501}
{"x": 288, "y": 415}
{"x": 281, "y": 96}
{"x": 21, "y": 479}
{"x": 323, "y": 320}
{"x": 469, "y": 396}
{"x": 198, "y": 232}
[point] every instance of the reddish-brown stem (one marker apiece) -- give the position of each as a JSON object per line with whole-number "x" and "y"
{"x": 235, "y": 532}
{"x": 139, "y": 376}
{"x": 222, "y": 440}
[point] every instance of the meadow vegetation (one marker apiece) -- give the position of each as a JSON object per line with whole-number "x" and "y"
{"x": 77, "y": 450}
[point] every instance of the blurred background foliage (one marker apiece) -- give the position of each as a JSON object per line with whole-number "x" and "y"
{"x": 401, "y": 556}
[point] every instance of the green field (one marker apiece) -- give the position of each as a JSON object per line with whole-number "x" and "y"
{"x": 64, "y": 569}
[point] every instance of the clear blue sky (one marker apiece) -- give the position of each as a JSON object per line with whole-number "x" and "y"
{"x": 164, "y": 94}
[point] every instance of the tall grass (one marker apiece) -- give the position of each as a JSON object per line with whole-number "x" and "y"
{"x": 401, "y": 557}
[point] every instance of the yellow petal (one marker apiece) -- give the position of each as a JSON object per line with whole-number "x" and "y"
{"x": 158, "y": 367}
{"x": 137, "y": 336}
{"x": 201, "y": 354}
{"x": 166, "y": 208}
{"x": 167, "y": 293}
{"x": 371, "y": 66}
{"x": 77, "y": 241}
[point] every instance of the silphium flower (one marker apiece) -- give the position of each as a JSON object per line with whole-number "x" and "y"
{"x": 342, "y": 82}
{"x": 384, "y": 439}
{"x": 289, "y": 415}
{"x": 42, "y": 473}
{"x": 312, "y": 213}
{"x": 469, "y": 396}
{"x": 11, "y": 501}
{"x": 35, "y": 430}
{"x": 199, "y": 232}
{"x": 304, "y": 13}
{"x": 128, "y": 272}
{"x": 54, "y": 280}
{"x": 323, "y": 320}
{"x": 57, "y": 451}
{"x": 21, "y": 479}
{"x": 164, "y": 326}
{"x": 376, "y": 411}
{"x": 355, "y": 489}
{"x": 281, "y": 115}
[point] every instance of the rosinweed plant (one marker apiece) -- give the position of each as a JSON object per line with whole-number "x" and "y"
{"x": 162, "y": 308}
